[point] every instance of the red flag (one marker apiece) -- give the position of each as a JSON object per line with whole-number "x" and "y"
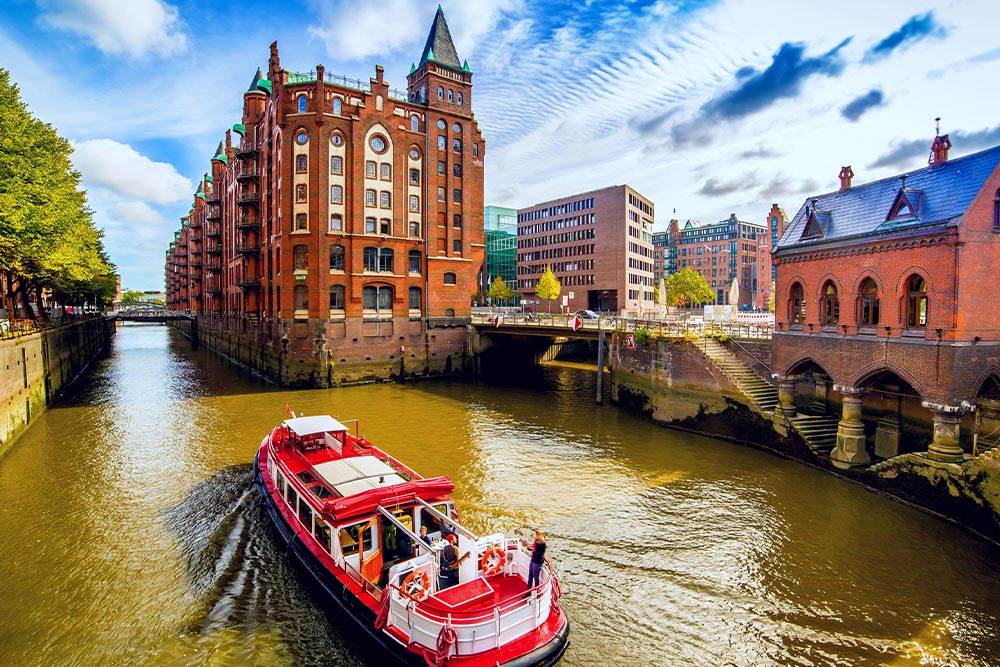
{"x": 288, "y": 409}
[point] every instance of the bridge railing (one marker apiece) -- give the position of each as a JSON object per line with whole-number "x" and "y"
{"x": 666, "y": 327}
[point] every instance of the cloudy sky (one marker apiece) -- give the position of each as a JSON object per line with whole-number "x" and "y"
{"x": 707, "y": 107}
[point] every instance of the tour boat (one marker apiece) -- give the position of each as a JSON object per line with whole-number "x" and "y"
{"x": 351, "y": 516}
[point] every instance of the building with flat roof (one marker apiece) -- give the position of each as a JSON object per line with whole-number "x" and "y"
{"x": 720, "y": 252}
{"x": 501, "y": 245}
{"x": 665, "y": 251}
{"x": 599, "y": 245}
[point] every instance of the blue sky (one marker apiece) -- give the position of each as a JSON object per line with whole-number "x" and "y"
{"x": 707, "y": 107}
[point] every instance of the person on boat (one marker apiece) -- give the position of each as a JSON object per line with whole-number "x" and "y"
{"x": 449, "y": 562}
{"x": 424, "y": 537}
{"x": 537, "y": 559}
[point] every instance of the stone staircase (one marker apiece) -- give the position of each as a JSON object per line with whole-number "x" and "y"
{"x": 819, "y": 430}
{"x": 751, "y": 385}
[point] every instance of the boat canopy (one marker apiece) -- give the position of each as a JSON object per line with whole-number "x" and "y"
{"x": 357, "y": 474}
{"x": 366, "y": 503}
{"x": 302, "y": 426}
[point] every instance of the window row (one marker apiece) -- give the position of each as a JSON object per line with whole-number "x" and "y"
{"x": 454, "y": 97}
{"x": 302, "y": 105}
{"x": 914, "y": 304}
{"x": 383, "y": 198}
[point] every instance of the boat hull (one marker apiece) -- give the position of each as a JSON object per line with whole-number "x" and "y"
{"x": 354, "y": 610}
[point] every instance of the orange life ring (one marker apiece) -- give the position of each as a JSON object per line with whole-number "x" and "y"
{"x": 416, "y": 585}
{"x": 492, "y": 561}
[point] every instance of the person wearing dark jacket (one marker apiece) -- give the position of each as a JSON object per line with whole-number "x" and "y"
{"x": 537, "y": 559}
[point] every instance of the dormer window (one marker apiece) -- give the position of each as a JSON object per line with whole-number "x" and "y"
{"x": 906, "y": 206}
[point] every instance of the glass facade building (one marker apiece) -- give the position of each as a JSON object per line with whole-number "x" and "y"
{"x": 501, "y": 246}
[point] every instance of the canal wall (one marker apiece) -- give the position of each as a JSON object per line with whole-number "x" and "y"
{"x": 37, "y": 368}
{"x": 326, "y": 353}
{"x": 673, "y": 384}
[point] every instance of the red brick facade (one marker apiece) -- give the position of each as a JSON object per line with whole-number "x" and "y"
{"x": 766, "y": 272}
{"x": 348, "y": 218}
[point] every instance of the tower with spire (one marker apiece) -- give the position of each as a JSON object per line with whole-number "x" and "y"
{"x": 440, "y": 80}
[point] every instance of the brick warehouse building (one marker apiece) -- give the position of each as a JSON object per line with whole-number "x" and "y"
{"x": 598, "y": 244}
{"x": 342, "y": 237}
{"x": 720, "y": 252}
{"x": 885, "y": 295}
{"x": 766, "y": 271}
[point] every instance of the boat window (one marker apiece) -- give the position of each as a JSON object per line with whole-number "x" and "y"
{"x": 349, "y": 539}
{"x": 281, "y": 484}
{"x": 434, "y": 528}
{"x": 320, "y": 491}
{"x": 306, "y": 477}
{"x": 290, "y": 495}
{"x": 322, "y": 533}
{"x": 305, "y": 513}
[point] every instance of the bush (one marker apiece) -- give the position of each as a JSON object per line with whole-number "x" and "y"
{"x": 641, "y": 335}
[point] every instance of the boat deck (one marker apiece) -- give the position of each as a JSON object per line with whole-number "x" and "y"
{"x": 475, "y": 595}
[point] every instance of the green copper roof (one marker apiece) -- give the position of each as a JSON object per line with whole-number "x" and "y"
{"x": 264, "y": 85}
{"x": 239, "y": 129}
{"x": 465, "y": 67}
{"x": 220, "y": 154}
{"x": 413, "y": 67}
{"x": 208, "y": 178}
{"x": 440, "y": 48}
{"x": 200, "y": 195}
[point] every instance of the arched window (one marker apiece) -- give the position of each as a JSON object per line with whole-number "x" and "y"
{"x": 414, "y": 298}
{"x": 301, "y": 297}
{"x": 797, "y": 305}
{"x": 415, "y": 123}
{"x": 301, "y": 164}
{"x": 440, "y": 93}
{"x": 414, "y": 261}
{"x": 302, "y": 103}
{"x": 449, "y": 278}
{"x": 916, "y": 302}
{"x": 458, "y": 97}
{"x": 336, "y": 297}
{"x": 451, "y": 95}
{"x": 869, "y": 303}
{"x": 449, "y": 312}
{"x": 370, "y": 197}
{"x": 378, "y": 299}
{"x": 300, "y": 254}
{"x": 338, "y": 106}
{"x": 337, "y": 258}
{"x": 414, "y": 228}
{"x": 831, "y": 305}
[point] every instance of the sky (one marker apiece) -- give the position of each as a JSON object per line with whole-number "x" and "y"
{"x": 707, "y": 107}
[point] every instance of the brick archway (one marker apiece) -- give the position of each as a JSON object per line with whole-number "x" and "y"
{"x": 865, "y": 374}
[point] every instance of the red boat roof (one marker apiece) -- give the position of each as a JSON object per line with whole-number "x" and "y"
{"x": 366, "y": 502}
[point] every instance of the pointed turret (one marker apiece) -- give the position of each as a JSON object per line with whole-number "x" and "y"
{"x": 439, "y": 47}
{"x": 257, "y": 78}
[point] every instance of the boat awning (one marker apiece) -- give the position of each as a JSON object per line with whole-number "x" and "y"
{"x": 365, "y": 503}
{"x": 357, "y": 474}
{"x": 301, "y": 426}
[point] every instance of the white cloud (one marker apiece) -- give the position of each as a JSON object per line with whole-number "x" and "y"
{"x": 134, "y": 28}
{"x": 137, "y": 213}
{"x": 122, "y": 169}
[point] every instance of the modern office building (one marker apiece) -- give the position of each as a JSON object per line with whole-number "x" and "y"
{"x": 501, "y": 245}
{"x": 598, "y": 244}
{"x": 344, "y": 226}
{"x": 720, "y": 252}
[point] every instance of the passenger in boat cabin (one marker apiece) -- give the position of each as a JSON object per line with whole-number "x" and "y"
{"x": 424, "y": 537}
{"x": 449, "y": 562}
{"x": 537, "y": 559}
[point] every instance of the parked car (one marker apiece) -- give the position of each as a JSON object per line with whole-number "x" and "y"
{"x": 587, "y": 315}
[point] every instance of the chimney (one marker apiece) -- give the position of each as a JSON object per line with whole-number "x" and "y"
{"x": 939, "y": 149}
{"x": 846, "y": 174}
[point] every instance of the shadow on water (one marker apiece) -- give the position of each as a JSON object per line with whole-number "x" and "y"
{"x": 242, "y": 579}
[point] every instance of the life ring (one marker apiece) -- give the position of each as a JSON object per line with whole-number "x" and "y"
{"x": 492, "y": 561}
{"x": 416, "y": 585}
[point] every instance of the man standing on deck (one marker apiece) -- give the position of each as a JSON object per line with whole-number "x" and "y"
{"x": 449, "y": 562}
{"x": 537, "y": 559}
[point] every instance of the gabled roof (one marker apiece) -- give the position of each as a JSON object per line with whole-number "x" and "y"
{"x": 935, "y": 195}
{"x": 439, "y": 47}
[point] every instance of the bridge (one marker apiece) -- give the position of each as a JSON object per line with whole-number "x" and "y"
{"x": 145, "y": 312}
{"x": 540, "y": 324}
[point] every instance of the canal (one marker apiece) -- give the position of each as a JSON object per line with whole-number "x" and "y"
{"x": 130, "y": 533}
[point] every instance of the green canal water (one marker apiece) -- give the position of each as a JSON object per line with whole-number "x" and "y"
{"x": 130, "y": 533}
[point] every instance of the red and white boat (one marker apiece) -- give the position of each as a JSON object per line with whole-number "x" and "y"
{"x": 351, "y": 516}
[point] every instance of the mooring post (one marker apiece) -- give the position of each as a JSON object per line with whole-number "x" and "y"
{"x": 600, "y": 365}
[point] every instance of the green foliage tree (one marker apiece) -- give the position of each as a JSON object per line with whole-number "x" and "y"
{"x": 656, "y": 294}
{"x": 770, "y": 298}
{"x": 548, "y": 287}
{"x": 47, "y": 234}
{"x": 499, "y": 290}
{"x": 687, "y": 287}
{"x": 131, "y": 296}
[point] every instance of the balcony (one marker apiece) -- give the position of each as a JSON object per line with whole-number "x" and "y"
{"x": 213, "y": 231}
{"x": 195, "y": 263}
{"x": 247, "y": 284}
{"x": 248, "y": 223}
{"x": 213, "y": 290}
{"x": 213, "y": 264}
{"x": 248, "y": 197}
{"x": 248, "y": 247}
{"x": 213, "y": 213}
{"x": 213, "y": 198}
{"x": 246, "y": 149}
{"x": 194, "y": 223}
{"x": 247, "y": 172}
{"x": 213, "y": 248}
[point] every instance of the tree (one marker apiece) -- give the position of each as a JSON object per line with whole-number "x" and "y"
{"x": 687, "y": 287}
{"x": 47, "y": 234}
{"x": 770, "y": 298}
{"x": 500, "y": 291}
{"x": 131, "y": 296}
{"x": 548, "y": 287}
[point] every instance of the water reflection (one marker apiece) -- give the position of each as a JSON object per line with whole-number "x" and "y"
{"x": 132, "y": 535}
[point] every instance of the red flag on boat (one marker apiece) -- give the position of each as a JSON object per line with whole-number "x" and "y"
{"x": 288, "y": 409}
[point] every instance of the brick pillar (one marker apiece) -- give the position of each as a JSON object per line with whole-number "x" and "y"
{"x": 945, "y": 446}
{"x": 850, "y": 451}
{"x": 786, "y": 395}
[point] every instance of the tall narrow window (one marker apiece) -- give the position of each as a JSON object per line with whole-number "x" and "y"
{"x": 414, "y": 298}
{"x": 336, "y": 165}
{"x": 442, "y": 142}
{"x": 369, "y": 197}
{"x": 414, "y": 123}
{"x": 370, "y": 169}
{"x": 300, "y": 255}
{"x": 831, "y": 305}
{"x": 385, "y": 170}
{"x": 301, "y": 222}
{"x": 337, "y": 194}
{"x": 456, "y": 170}
{"x": 458, "y": 97}
{"x": 869, "y": 303}
{"x": 385, "y": 226}
{"x": 457, "y": 221}
{"x": 369, "y": 225}
{"x": 456, "y": 196}
{"x": 414, "y": 203}
{"x": 414, "y": 261}
{"x": 371, "y": 259}
{"x": 916, "y": 302}
{"x": 457, "y": 145}
{"x": 336, "y": 223}
{"x": 414, "y": 177}
{"x": 338, "y": 106}
{"x": 302, "y": 103}
{"x": 385, "y": 199}
{"x": 336, "y": 297}
{"x": 441, "y": 193}
{"x": 440, "y": 92}
{"x": 301, "y": 164}
{"x": 337, "y": 258}
{"x": 414, "y": 228}
{"x": 301, "y": 193}
{"x": 377, "y": 298}
{"x": 301, "y": 297}
{"x": 797, "y": 304}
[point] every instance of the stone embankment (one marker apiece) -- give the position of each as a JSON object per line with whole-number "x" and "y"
{"x": 703, "y": 386}
{"x": 36, "y": 368}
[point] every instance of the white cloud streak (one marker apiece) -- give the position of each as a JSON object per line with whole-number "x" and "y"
{"x": 135, "y": 28}
{"x": 123, "y": 170}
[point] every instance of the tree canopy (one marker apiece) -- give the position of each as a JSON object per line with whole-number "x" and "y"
{"x": 47, "y": 234}
{"x": 548, "y": 287}
{"x": 499, "y": 290}
{"x": 687, "y": 287}
{"x": 131, "y": 296}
